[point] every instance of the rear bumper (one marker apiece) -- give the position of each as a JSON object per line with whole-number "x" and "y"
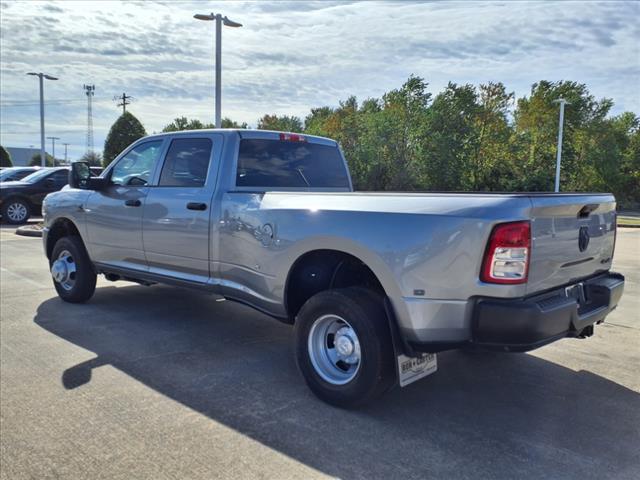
{"x": 525, "y": 324}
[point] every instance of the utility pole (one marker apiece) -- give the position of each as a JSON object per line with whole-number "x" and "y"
{"x": 53, "y": 148}
{"x": 42, "y": 77}
{"x": 89, "y": 90}
{"x": 123, "y": 101}
{"x": 66, "y": 160}
{"x": 562, "y": 103}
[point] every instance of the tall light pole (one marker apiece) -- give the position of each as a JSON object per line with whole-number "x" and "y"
{"x": 220, "y": 20}
{"x": 53, "y": 148}
{"x": 42, "y": 76}
{"x": 562, "y": 103}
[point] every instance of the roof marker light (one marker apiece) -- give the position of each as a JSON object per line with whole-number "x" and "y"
{"x": 292, "y": 137}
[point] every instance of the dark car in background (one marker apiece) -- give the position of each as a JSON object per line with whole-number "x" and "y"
{"x": 11, "y": 174}
{"x": 21, "y": 199}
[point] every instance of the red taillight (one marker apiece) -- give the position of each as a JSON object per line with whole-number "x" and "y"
{"x": 506, "y": 259}
{"x": 292, "y": 137}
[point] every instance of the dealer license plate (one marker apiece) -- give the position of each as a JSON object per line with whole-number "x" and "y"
{"x": 411, "y": 369}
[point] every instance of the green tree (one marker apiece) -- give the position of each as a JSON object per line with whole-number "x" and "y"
{"x": 282, "y": 123}
{"x": 399, "y": 130}
{"x": 315, "y": 122}
{"x": 35, "y": 160}
{"x": 451, "y": 138}
{"x": 612, "y": 158}
{"x": 126, "y": 130}
{"x": 5, "y": 158}
{"x": 482, "y": 138}
{"x": 536, "y": 125}
{"x": 491, "y": 163}
{"x": 183, "y": 123}
{"x": 629, "y": 188}
{"x": 381, "y": 137}
{"x": 228, "y": 123}
{"x": 94, "y": 158}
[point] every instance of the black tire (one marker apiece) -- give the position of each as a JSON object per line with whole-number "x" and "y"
{"x": 364, "y": 311}
{"x": 85, "y": 276}
{"x": 11, "y": 207}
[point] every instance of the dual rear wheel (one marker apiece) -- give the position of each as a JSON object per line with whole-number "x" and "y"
{"x": 343, "y": 346}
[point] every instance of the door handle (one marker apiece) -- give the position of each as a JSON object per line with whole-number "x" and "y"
{"x": 133, "y": 203}
{"x": 196, "y": 206}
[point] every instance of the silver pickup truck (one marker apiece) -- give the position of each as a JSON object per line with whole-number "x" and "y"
{"x": 374, "y": 283}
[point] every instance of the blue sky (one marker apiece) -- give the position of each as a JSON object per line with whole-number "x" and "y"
{"x": 291, "y": 56}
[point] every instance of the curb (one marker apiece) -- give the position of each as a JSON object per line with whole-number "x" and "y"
{"x": 628, "y": 226}
{"x": 28, "y": 231}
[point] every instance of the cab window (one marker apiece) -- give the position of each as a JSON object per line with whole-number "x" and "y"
{"x": 268, "y": 163}
{"x": 186, "y": 163}
{"x": 136, "y": 167}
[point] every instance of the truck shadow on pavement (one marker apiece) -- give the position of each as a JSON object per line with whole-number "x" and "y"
{"x": 480, "y": 416}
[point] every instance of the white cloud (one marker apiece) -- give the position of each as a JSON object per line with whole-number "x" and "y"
{"x": 291, "y": 56}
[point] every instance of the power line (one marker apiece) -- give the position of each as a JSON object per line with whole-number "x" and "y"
{"x": 53, "y": 148}
{"x": 123, "y": 101}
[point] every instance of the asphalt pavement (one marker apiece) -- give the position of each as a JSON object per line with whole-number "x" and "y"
{"x": 165, "y": 383}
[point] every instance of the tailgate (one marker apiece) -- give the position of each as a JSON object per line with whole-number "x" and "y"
{"x": 573, "y": 237}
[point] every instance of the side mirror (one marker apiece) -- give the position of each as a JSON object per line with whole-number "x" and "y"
{"x": 80, "y": 177}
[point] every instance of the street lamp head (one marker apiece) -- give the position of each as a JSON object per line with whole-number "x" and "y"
{"x": 212, "y": 16}
{"x": 201, "y": 16}
{"x": 230, "y": 23}
{"x": 49, "y": 77}
{"x": 32, "y": 73}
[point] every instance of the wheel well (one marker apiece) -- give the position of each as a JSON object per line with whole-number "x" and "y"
{"x": 322, "y": 270}
{"x": 61, "y": 228}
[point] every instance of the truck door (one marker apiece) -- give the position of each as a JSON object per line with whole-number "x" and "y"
{"x": 177, "y": 210}
{"x": 114, "y": 214}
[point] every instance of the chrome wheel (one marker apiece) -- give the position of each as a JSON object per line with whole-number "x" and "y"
{"x": 334, "y": 349}
{"x": 17, "y": 212}
{"x": 63, "y": 270}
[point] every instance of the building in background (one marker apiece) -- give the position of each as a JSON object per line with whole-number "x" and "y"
{"x": 20, "y": 157}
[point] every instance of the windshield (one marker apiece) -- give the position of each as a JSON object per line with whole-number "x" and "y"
{"x": 37, "y": 176}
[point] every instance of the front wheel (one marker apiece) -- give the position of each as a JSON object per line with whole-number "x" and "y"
{"x": 343, "y": 346}
{"x": 73, "y": 275}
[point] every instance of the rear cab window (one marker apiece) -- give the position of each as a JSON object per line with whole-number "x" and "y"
{"x": 186, "y": 163}
{"x": 273, "y": 163}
